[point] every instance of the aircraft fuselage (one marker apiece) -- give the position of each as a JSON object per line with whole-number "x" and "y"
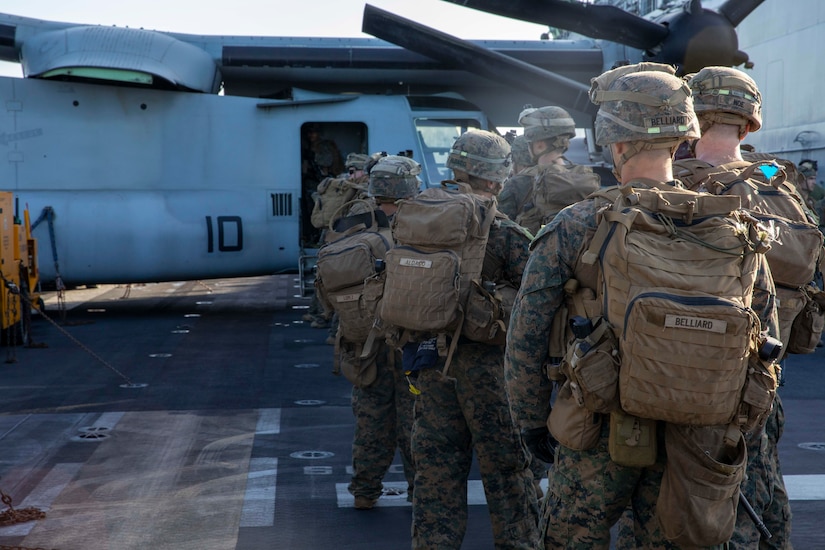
{"x": 149, "y": 185}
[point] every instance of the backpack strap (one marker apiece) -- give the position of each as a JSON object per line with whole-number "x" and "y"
{"x": 614, "y": 195}
{"x": 336, "y": 215}
{"x": 441, "y": 342}
{"x": 725, "y": 176}
{"x": 748, "y": 172}
{"x": 692, "y": 172}
{"x": 375, "y": 332}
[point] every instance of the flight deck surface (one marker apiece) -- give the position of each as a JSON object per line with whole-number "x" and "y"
{"x": 204, "y": 415}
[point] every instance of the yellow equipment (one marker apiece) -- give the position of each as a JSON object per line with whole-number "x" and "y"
{"x": 19, "y": 273}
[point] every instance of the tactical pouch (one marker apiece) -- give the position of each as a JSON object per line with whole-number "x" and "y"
{"x": 700, "y": 487}
{"x": 405, "y": 305}
{"x": 684, "y": 356}
{"x": 487, "y": 314}
{"x": 572, "y": 425}
{"x": 356, "y": 308}
{"x": 789, "y": 304}
{"x": 361, "y": 372}
{"x": 373, "y": 292}
{"x": 592, "y": 365}
{"x": 758, "y": 394}
{"x": 632, "y": 440}
{"x": 806, "y": 331}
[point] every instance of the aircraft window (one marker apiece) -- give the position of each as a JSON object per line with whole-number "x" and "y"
{"x": 436, "y": 137}
{"x": 95, "y": 73}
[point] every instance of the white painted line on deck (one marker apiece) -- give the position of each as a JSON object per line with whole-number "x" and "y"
{"x": 43, "y": 495}
{"x": 475, "y": 494}
{"x": 108, "y": 420}
{"x": 269, "y": 422}
{"x": 805, "y": 487}
{"x": 799, "y": 487}
{"x": 259, "y": 499}
{"x": 346, "y": 500}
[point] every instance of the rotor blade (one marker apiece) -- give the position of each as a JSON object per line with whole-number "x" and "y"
{"x": 596, "y": 21}
{"x": 461, "y": 54}
{"x": 736, "y": 11}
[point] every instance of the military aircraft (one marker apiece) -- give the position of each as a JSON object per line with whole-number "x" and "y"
{"x": 157, "y": 156}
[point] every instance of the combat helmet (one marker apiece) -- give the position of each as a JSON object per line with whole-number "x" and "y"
{"x": 550, "y": 123}
{"x": 808, "y": 168}
{"x": 645, "y": 109}
{"x": 520, "y": 152}
{"x": 394, "y": 177}
{"x": 481, "y": 154}
{"x": 727, "y": 96}
{"x": 356, "y": 160}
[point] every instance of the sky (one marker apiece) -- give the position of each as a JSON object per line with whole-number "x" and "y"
{"x": 327, "y": 18}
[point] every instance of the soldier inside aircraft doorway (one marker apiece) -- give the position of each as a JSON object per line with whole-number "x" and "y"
{"x": 320, "y": 158}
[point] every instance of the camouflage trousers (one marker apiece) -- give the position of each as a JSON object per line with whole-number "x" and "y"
{"x": 539, "y": 470}
{"x": 383, "y": 422}
{"x": 626, "y": 538}
{"x": 455, "y": 415}
{"x": 589, "y": 493}
{"x": 765, "y": 490}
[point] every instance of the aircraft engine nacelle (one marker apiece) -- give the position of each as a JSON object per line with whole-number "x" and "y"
{"x": 132, "y": 56}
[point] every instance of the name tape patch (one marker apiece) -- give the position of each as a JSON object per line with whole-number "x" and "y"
{"x": 415, "y": 262}
{"x": 347, "y": 298}
{"x": 696, "y": 323}
{"x": 666, "y": 120}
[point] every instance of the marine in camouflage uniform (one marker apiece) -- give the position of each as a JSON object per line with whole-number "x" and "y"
{"x": 557, "y": 182}
{"x": 384, "y": 409}
{"x": 518, "y": 187}
{"x": 316, "y": 314}
{"x": 588, "y": 492}
{"x": 466, "y": 410}
{"x": 812, "y": 193}
{"x": 383, "y": 423}
{"x": 517, "y": 192}
{"x": 728, "y": 103}
{"x": 356, "y": 171}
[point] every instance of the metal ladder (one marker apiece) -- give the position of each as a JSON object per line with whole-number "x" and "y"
{"x": 306, "y": 270}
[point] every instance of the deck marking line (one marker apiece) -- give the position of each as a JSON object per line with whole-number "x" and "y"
{"x": 259, "y": 498}
{"x": 269, "y": 422}
{"x": 805, "y": 487}
{"x": 43, "y": 495}
{"x": 799, "y": 487}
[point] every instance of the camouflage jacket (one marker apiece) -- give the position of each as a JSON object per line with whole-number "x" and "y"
{"x": 508, "y": 248}
{"x": 554, "y": 259}
{"x": 518, "y": 190}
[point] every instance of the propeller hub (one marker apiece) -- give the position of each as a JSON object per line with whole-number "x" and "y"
{"x": 696, "y": 39}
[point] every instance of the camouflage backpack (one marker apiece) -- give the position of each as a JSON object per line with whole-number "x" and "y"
{"x": 677, "y": 271}
{"x": 332, "y": 194}
{"x": 767, "y": 195}
{"x": 350, "y": 281}
{"x": 555, "y": 187}
{"x": 440, "y": 243}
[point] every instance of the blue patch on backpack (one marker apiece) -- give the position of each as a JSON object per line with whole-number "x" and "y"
{"x": 769, "y": 170}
